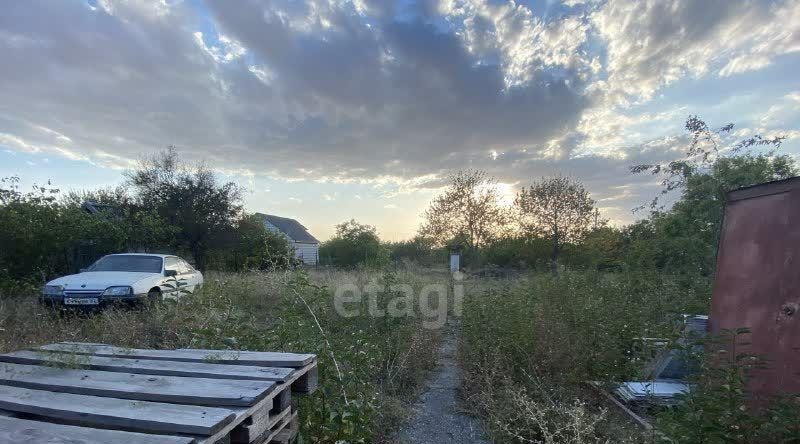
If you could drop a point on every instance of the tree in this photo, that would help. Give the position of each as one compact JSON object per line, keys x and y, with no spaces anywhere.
{"x":468,"y":210}
{"x":250,"y":246}
{"x":709,"y":149}
{"x":354,"y":244}
{"x":558,"y":209}
{"x":419,"y":250}
{"x":684,"y":238}
{"x":191,"y":200}
{"x":43,"y":237}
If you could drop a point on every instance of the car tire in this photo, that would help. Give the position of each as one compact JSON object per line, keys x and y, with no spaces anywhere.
{"x":155,"y":297}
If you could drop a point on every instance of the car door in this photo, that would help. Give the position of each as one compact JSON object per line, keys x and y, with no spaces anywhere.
{"x":173,"y":263}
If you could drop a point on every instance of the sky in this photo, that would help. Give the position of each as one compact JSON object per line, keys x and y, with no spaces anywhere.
{"x":326,"y":110}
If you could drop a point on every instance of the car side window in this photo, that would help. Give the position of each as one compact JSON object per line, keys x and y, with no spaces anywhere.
{"x":171,"y":263}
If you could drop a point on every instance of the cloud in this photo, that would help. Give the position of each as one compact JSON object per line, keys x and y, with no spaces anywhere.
{"x":373,"y":92}
{"x":653,"y":43}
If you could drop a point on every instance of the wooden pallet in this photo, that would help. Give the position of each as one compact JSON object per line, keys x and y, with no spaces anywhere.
{"x":81,"y":393}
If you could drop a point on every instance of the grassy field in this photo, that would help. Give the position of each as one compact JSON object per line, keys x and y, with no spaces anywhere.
{"x":528,"y":343}
{"x":381,"y":361}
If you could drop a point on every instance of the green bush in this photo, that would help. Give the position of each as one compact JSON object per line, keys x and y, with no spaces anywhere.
{"x":545,"y":336}
{"x":354,"y":245}
{"x":720,"y":408}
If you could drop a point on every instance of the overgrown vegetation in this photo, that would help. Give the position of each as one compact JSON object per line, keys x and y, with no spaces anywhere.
{"x":542,"y":337}
{"x":382,"y":360}
{"x":354,"y":244}
{"x":530,"y":339}
{"x":164,"y":206}
{"x":721,"y":410}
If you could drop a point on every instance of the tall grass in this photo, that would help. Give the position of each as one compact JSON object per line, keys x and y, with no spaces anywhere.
{"x":382,"y":362}
{"x":529,"y":345}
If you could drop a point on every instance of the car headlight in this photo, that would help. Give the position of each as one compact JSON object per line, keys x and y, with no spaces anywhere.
{"x":52,"y":290}
{"x":118,"y":291}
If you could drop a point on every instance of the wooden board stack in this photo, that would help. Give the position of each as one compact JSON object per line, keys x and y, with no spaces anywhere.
{"x":82,"y":393}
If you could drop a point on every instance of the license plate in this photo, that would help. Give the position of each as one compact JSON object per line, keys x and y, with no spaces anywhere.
{"x":81,"y":301}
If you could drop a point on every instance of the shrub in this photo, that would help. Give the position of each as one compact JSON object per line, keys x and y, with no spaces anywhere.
{"x":545,"y":336}
{"x":354,"y":245}
{"x":720,"y":408}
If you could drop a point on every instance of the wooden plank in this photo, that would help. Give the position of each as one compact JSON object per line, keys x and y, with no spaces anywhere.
{"x":308,"y":381}
{"x":22,"y":431}
{"x":234,"y":357}
{"x":142,"y":416}
{"x":641,"y":422}
{"x":252,"y":431}
{"x":280,"y":359}
{"x":282,"y":400}
{"x":242,"y":415}
{"x":173,"y":389}
{"x":269,"y":435}
{"x":150,"y":367}
{"x":288,"y":433}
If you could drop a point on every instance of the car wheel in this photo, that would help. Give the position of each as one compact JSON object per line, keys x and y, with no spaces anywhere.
{"x":155,"y":297}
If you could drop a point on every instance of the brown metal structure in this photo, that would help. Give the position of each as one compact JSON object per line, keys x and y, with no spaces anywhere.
{"x":757,"y":283}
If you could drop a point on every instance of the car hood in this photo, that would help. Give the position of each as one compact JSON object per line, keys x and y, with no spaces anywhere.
{"x":100,"y":280}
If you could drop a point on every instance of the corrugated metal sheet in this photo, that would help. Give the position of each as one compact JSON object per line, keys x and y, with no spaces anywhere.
{"x":757,"y":281}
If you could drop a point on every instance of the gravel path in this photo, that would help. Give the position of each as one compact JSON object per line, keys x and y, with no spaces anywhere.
{"x":435,"y":417}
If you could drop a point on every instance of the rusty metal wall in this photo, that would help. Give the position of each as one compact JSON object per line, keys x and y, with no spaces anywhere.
{"x":757,"y":283}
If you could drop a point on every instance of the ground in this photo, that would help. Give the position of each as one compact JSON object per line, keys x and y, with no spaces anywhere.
{"x":436,"y":417}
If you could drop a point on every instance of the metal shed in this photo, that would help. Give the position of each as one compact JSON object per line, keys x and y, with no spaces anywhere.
{"x":757,"y":283}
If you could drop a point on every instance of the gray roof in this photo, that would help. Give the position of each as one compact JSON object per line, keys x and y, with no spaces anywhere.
{"x":290,"y":227}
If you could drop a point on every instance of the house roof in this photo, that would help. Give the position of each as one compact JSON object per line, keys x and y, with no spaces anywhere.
{"x":290,"y":227}
{"x":95,"y":208}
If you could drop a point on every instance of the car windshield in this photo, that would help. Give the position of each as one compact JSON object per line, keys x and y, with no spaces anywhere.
{"x":142,"y":264}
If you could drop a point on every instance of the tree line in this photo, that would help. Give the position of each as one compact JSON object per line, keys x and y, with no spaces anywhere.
{"x":554,"y":222}
{"x":167,"y":206}
{"x":163,"y":206}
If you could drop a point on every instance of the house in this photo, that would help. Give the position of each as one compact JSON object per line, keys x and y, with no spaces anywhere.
{"x":306,"y":246}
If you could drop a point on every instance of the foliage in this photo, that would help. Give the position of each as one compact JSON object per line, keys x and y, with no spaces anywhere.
{"x":165,"y":208}
{"x":42,"y":237}
{"x":192,"y":201}
{"x":250,"y":246}
{"x":542,"y":337}
{"x":558,"y":209}
{"x":706,"y":149}
{"x":418,"y":250}
{"x":383,"y":361}
{"x":354,"y":244}
{"x":518,"y":252}
{"x":468,"y":211}
{"x":720,"y":408}
{"x":684,"y":239}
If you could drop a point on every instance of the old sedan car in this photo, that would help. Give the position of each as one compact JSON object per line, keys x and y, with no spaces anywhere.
{"x":127,"y":278}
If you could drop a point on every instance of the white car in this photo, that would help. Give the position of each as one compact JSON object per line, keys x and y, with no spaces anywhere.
{"x":132,"y":277}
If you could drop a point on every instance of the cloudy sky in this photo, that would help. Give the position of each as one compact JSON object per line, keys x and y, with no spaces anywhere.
{"x":331,"y":109}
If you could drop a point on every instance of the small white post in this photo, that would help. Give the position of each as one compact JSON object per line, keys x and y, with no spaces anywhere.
{"x":455,"y":261}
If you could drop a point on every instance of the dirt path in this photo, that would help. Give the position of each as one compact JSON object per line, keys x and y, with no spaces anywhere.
{"x":435,"y":417}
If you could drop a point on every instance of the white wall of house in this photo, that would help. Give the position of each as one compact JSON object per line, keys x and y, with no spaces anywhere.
{"x":308,"y":253}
